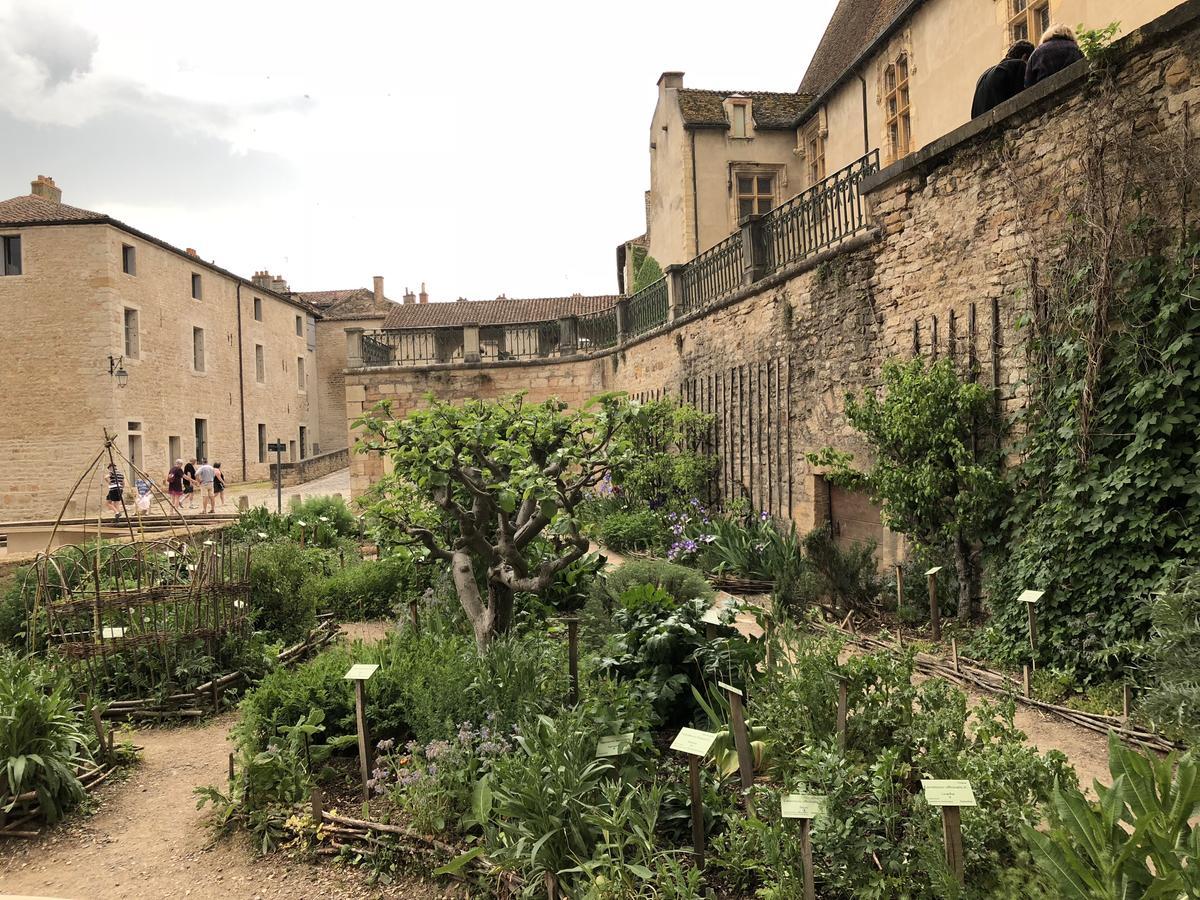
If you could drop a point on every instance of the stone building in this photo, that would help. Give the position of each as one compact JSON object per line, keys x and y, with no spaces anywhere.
{"x":894,"y":75}
{"x":111,"y":328}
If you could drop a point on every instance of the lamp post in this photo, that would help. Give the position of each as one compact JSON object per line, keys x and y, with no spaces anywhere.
{"x":116,"y":369}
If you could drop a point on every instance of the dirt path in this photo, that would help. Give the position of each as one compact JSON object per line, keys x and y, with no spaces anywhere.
{"x":147,"y":840}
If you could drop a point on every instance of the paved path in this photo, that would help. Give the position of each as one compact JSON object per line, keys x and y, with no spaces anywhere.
{"x":262,"y":493}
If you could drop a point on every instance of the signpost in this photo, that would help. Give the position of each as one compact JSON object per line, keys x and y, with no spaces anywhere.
{"x":1030,"y":598}
{"x":696,"y":745}
{"x":277,"y":448}
{"x":950,"y":795}
{"x":804,"y":807}
{"x":741,"y":740}
{"x":359,"y":673}
{"x":935,"y":615}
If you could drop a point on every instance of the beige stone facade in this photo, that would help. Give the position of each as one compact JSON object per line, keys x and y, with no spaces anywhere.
{"x":212,"y":360}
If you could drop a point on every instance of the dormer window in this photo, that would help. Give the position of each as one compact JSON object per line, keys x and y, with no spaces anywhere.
{"x":740,"y":113}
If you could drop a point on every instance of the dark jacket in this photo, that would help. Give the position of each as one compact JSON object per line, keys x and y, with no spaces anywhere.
{"x":1051,"y":56}
{"x":1004,"y":80}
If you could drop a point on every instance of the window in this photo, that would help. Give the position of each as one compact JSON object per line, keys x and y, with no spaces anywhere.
{"x":262,"y":442}
{"x":299,"y":326}
{"x":814,"y":151}
{"x":198,"y":349}
{"x":303,"y":442}
{"x":260,"y":364}
{"x":300,"y":372}
{"x":896,"y":107}
{"x":739,"y":120}
{"x":128,"y":259}
{"x":195,"y":286}
{"x":1027,"y":21}
{"x":291,"y":451}
{"x":133,"y":426}
{"x":201,"y":439}
{"x":131,"y":334}
{"x":135,"y":455}
{"x":755,"y":194}
{"x":12,"y":254}
{"x":174,"y":449}
{"x":258,"y":309}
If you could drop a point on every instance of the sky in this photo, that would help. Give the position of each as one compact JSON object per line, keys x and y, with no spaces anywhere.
{"x":484,"y":149}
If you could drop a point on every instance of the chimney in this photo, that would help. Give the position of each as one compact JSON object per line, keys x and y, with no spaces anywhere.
{"x":409,"y":296}
{"x":279,"y":285}
{"x":262,"y":280}
{"x":191,"y":251}
{"x":424,"y":296}
{"x":378,"y":280}
{"x":461,"y":300}
{"x":668,"y":80}
{"x":43,"y":186}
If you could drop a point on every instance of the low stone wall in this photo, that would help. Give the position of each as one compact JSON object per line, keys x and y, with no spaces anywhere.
{"x":311,"y":468}
{"x":960,"y":229}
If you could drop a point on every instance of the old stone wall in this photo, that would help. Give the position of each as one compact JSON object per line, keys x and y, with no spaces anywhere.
{"x":311,"y":468}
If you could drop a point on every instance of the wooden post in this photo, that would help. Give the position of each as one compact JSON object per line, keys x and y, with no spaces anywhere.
{"x":697,"y":810}
{"x":810,"y":888}
{"x":1025,"y":686}
{"x":841,"y":714}
{"x":318,"y":809}
{"x":899,"y":587}
{"x":573,"y":657}
{"x":741,"y":740}
{"x":99,"y":726}
{"x":769,"y":637}
{"x":952,"y":829}
{"x":954,"y":653}
{"x":1126,"y":699}
{"x":231,"y":769}
{"x":364,"y":751}
{"x":935,"y":616}
{"x":1033,"y":635}
{"x":414,"y":615}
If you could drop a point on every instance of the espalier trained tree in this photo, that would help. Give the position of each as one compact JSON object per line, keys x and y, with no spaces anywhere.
{"x":492,"y":488}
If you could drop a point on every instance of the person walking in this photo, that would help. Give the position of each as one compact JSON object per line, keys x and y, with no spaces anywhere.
{"x":1002,"y":81}
{"x":219,"y":484}
{"x":115,"y":483}
{"x":175,"y":479}
{"x":205,"y":476}
{"x":1057,"y":50}
{"x":190,"y":483}
{"x":142,"y":503}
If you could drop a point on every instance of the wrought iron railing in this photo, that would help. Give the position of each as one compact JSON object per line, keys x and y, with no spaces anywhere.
{"x":831,"y":210}
{"x":411,"y":347}
{"x":647,"y":308}
{"x":596,"y":331}
{"x":714,"y":273}
{"x":530,"y":340}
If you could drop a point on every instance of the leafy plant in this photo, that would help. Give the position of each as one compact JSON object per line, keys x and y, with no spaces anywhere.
{"x":278,"y":572}
{"x":1173,"y":659}
{"x":368,"y":590}
{"x":647,"y":273}
{"x":679,"y":582}
{"x":670,"y":466}
{"x":636,"y":529}
{"x":1095,"y":41}
{"x":848,"y":577}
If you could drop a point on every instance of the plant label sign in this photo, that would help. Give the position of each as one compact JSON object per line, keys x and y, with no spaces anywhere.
{"x":801,"y":806}
{"x":693,"y":741}
{"x":112,"y":631}
{"x":614,"y":744}
{"x":948,"y":792}
{"x":730,"y":688}
{"x":360,"y":672}
{"x":714,"y":614}
{"x":1030,"y":596}
{"x":934,"y":570}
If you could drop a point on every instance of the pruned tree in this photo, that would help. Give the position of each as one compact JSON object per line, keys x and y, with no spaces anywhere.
{"x":931,"y":480}
{"x":492,"y":489}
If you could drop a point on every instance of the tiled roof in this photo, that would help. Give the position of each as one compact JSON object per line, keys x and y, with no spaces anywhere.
{"x":851,"y":29}
{"x":31,"y":209}
{"x":322,"y":299}
{"x":501,"y":311}
{"x":351,"y":303}
{"x":771,"y":110}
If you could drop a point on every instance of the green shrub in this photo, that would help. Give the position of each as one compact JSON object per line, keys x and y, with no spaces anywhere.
{"x":16,"y":604}
{"x":847,"y":578}
{"x":1173,"y":700}
{"x":680,"y":582}
{"x":647,"y":273}
{"x":637,"y":529}
{"x":370,"y":589}
{"x":42,"y":737}
{"x":333,"y":509}
{"x":278,"y":573}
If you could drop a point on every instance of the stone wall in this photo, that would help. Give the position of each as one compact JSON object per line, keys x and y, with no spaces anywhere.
{"x":947,"y":270}
{"x":313,"y":467}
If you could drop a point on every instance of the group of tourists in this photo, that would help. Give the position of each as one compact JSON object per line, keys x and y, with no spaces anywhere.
{"x":1024,"y":66}
{"x":184,"y":482}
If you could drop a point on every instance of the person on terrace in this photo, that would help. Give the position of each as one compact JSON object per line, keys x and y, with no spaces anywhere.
{"x":1002,"y":81}
{"x":1057,"y":50}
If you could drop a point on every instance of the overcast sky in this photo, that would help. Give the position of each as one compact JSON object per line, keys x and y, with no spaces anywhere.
{"x":483,"y":148}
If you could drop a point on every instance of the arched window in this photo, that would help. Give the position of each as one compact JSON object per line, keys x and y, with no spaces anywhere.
{"x":897,"y":112}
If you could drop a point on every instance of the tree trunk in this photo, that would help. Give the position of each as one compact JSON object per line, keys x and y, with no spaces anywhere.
{"x":462,"y":570}
{"x":962,"y":567}
{"x":500,"y":600}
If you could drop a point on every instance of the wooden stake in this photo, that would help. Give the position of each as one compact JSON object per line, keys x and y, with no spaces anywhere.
{"x":952,"y":829}
{"x":954,"y":653}
{"x":1126,"y":699}
{"x":231,"y":771}
{"x":697,"y":809}
{"x":841,"y":715}
{"x":741,"y":740}
{"x":899,"y":587}
{"x":364,"y":751}
{"x":1033,"y":635}
{"x":935,"y":616}
{"x":810,"y":888}
{"x":318,"y":809}
{"x":573,"y":657}
{"x":1025,"y":680}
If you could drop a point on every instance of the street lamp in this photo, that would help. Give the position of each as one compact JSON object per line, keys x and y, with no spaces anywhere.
{"x":116,"y":369}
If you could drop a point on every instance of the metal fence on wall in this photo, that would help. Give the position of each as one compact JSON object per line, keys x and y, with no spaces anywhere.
{"x":751,"y":435}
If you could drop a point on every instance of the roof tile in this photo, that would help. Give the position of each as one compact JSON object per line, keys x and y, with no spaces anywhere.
{"x":851,"y":29}
{"x":29,"y":208}
{"x":771,"y":110}
{"x":501,"y":311}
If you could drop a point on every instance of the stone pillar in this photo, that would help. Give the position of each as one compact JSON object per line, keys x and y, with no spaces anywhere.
{"x":354,"y":342}
{"x":622,"y":320}
{"x":568,"y":340}
{"x":674,"y":275}
{"x":471,"y":344}
{"x":755,"y":263}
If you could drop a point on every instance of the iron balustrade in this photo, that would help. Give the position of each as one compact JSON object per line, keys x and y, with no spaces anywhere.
{"x":596,"y":331}
{"x":711,"y":275}
{"x":647,"y":308}
{"x":831,"y":210}
{"x":411,"y":346}
{"x":528,"y":340}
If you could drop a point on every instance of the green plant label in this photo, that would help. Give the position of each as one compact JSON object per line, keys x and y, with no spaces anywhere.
{"x":614,"y":744}
{"x":934,"y":570}
{"x":360,"y":672}
{"x":801,"y":806}
{"x":729,"y":687}
{"x":693,"y":741}
{"x":1030,"y":596}
{"x":948,"y":792}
